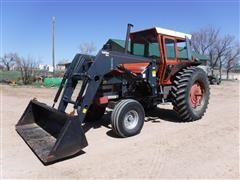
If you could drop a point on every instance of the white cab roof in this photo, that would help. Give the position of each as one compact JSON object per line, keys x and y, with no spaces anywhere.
{"x":172,"y":33}
{"x":169,"y":32}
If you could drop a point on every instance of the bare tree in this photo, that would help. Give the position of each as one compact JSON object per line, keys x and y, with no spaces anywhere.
{"x":207,"y":41}
{"x":27,"y":67}
{"x":87,"y":48}
{"x":204,"y":39}
{"x":8,"y":60}
{"x":219,"y":51}
{"x":232,"y":58}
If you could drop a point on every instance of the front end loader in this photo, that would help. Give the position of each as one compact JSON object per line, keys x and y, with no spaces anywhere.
{"x":130,"y":82}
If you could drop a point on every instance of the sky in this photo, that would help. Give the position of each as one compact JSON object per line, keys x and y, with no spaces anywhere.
{"x":26,"y":25}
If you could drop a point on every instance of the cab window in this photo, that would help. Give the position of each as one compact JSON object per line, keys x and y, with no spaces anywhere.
{"x":146,"y":49}
{"x":153,"y":50}
{"x":170,"y":48}
{"x":182,"y":50}
{"x":138,"y":49}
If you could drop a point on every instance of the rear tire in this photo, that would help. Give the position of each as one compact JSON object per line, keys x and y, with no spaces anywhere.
{"x":190,"y":94}
{"x":127,"y":118}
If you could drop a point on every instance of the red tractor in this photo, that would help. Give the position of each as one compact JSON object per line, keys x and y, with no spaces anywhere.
{"x":156,"y":66}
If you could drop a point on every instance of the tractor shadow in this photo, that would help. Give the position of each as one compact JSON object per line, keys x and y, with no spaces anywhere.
{"x":155,"y":116}
{"x":103,"y":122}
{"x":158,"y":114}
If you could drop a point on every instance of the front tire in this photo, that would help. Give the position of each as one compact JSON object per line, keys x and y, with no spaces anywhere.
{"x":127,"y":118}
{"x":190,"y":94}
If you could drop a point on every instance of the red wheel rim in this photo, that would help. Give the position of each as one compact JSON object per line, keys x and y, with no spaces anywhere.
{"x":196,"y":95}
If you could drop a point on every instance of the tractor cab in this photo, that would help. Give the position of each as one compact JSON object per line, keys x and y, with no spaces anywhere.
{"x":158,"y":42}
{"x":168,"y":47}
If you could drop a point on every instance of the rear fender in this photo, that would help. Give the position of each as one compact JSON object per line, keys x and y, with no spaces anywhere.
{"x":182,"y":65}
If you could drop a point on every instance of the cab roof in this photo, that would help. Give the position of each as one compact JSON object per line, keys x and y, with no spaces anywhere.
{"x":164,"y":31}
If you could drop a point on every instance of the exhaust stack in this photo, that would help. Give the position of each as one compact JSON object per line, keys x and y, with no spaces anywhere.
{"x":129,"y":26}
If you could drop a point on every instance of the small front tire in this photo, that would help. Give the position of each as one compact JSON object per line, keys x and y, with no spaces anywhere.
{"x":127,"y":118}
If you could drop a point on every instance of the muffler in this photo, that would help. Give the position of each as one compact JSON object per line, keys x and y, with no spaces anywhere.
{"x":52,"y":135}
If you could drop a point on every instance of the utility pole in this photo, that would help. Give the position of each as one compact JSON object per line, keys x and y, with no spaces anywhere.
{"x":53,"y":52}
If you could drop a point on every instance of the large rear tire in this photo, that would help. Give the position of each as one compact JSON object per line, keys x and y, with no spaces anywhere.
{"x":190,"y":94}
{"x":127,"y":118}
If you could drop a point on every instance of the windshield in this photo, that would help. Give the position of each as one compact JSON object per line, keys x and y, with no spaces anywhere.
{"x":146,"y":49}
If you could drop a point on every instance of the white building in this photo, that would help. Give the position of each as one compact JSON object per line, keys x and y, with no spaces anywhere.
{"x":46,"y":67}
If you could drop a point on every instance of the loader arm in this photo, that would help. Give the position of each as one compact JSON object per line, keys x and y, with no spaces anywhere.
{"x":51,"y":133}
{"x":78,"y":64}
{"x":104,"y":63}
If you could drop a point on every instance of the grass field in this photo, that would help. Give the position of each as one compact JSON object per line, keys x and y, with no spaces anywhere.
{"x":10,"y":75}
{"x":15,"y":76}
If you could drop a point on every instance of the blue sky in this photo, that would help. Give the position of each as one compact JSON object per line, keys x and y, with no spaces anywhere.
{"x":26,"y":25}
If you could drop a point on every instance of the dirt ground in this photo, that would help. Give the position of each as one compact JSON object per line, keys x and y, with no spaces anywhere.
{"x":208,"y":148}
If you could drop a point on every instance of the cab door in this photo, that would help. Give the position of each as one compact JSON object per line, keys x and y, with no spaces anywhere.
{"x":170,"y":58}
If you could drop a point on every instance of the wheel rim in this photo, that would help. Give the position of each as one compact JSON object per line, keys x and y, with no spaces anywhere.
{"x":131,"y":119}
{"x":196,"y":95}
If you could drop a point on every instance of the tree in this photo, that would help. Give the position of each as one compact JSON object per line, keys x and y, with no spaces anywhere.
{"x":204,"y":39}
{"x":87,"y":48}
{"x":27,"y":67}
{"x":232,"y":58}
{"x":219,"y":51}
{"x":207,"y":41}
{"x":8,"y":60}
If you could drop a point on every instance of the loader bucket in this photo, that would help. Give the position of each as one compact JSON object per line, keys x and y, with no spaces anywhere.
{"x":52,"y":135}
